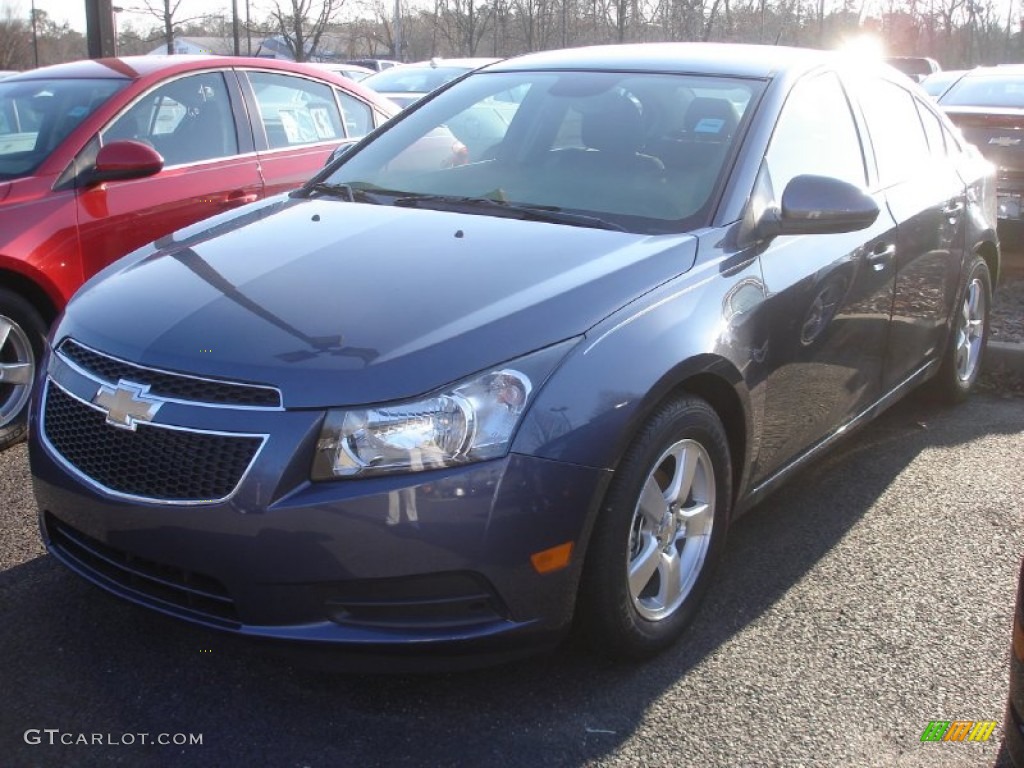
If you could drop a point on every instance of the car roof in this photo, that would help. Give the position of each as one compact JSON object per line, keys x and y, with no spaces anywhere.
{"x":737,"y":60}
{"x":468,"y":63}
{"x":135,"y":67}
{"x":1000,"y":70}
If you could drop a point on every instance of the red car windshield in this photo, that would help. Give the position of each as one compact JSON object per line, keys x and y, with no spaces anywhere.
{"x":37,"y":115}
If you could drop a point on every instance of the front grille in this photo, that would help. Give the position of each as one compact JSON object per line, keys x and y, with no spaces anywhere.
{"x":172,"y":385}
{"x":152,"y":582}
{"x":150,"y":463}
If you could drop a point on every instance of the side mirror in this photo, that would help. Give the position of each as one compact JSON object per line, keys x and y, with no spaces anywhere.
{"x":126,"y":159}
{"x":818,"y":205}
{"x":340,"y":151}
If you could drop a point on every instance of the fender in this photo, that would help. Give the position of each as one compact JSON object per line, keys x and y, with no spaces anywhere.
{"x":29,"y":274}
{"x":686,"y":335}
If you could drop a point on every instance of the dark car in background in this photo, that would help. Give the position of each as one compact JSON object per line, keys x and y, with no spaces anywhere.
{"x":376,"y":65}
{"x":100,"y":157}
{"x":444,"y":413}
{"x":350,"y":71}
{"x":987,"y":104}
{"x":917,"y":68}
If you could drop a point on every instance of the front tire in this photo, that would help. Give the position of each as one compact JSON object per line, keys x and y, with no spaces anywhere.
{"x":961,"y":364}
{"x":659,"y":534}
{"x":22,"y":331}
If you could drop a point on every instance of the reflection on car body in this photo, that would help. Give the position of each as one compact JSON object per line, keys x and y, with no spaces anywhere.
{"x":494,"y":398}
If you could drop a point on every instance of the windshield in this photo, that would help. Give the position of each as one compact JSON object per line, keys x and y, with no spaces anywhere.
{"x":37,"y":115}
{"x":640,"y":152}
{"x":986,"y":91}
{"x":412,"y":78}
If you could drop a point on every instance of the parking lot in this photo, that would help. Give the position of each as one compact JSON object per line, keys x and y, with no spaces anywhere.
{"x":869,"y":596}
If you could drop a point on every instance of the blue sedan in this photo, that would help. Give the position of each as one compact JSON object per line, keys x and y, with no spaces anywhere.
{"x":451,"y":410}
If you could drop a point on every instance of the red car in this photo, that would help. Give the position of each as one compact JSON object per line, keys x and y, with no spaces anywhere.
{"x":100,"y":157}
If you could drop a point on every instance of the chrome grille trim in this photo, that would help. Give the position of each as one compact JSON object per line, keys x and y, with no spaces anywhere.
{"x":146,"y":374}
{"x":90,"y":481}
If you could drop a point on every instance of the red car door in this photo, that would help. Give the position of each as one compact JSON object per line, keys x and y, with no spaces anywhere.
{"x":300,"y":121}
{"x":208,"y":167}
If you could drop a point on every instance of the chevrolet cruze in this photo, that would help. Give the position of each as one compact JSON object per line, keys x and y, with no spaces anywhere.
{"x":451,"y":412}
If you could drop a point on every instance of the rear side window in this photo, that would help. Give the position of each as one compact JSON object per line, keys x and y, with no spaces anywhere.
{"x":897,"y":134}
{"x":296,"y":111}
{"x":933,"y":130}
{"x":358,"y":115}
{"x":815,"y":135}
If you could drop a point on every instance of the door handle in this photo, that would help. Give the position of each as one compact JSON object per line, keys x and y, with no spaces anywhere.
{"x":240,"y":198}
{"x":953,"y":208}
{"x":881,"y":256}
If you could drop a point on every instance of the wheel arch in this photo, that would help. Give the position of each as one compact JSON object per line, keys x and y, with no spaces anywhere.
{"x":989,"y":251}
{"x":43,"y":298}
{"x":719,"y":383}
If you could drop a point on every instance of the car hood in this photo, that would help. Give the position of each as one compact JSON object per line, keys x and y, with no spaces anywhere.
{"x":343,"y":303}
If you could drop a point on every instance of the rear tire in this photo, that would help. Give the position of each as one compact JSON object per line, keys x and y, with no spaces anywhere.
{"x":965,"y":349}
{"x":659,"y":534}
{"x":22,"y":332}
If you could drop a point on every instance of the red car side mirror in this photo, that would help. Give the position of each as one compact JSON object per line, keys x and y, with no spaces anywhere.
{"x":125,"y":160}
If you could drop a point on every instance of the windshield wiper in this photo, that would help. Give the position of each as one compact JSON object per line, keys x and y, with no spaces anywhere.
{"x":343,"y":191}
{"x":523,"y":211}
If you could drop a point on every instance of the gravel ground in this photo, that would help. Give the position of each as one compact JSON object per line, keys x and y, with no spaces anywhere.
{"x":1008,"y":310}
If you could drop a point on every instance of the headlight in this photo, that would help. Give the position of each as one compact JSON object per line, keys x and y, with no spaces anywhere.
{"x":470,"y":421}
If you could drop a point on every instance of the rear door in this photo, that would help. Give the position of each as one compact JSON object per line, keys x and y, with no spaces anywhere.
{"x":927,"y":197}
{"x":298,"y":122}
{"x":209,"y":167}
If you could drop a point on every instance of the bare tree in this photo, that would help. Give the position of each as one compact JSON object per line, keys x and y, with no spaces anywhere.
{"x":301,"y":26}
{"x":164,"y":11}
{"x":15,"y":41}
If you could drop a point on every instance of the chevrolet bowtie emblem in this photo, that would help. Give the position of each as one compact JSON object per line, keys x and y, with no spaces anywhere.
{"x":1004,"y":141}
{"x":127,"y":404}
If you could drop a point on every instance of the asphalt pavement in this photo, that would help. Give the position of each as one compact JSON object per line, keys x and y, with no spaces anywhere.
{"x":869,"y":596}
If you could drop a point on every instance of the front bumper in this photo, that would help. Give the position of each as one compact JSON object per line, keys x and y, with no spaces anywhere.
{"x":434,"y":561}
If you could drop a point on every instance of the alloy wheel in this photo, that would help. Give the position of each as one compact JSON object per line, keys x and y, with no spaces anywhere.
{"x":17,"y":370}
{"x":970,"y":330}
{"x":671,"y":530}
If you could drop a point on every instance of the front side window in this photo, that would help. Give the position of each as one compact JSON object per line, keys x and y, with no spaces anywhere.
{"x":37,"y":115}
{"x":296,"y":111}
{"x":815,"y":135}
{"x":641,"y":152}
{"x":186,"y":120}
